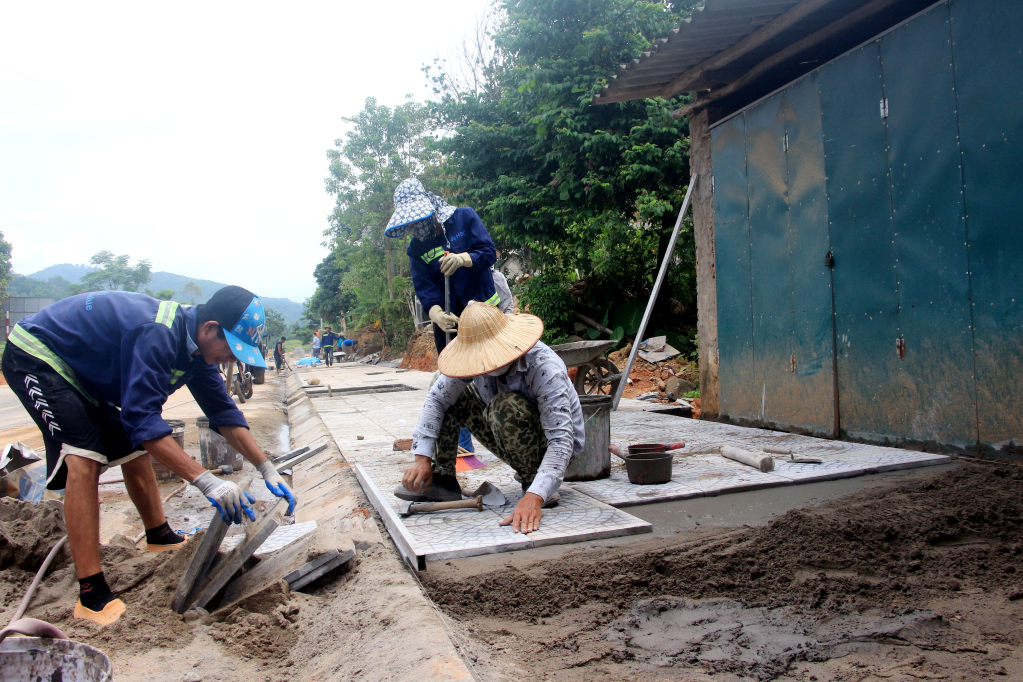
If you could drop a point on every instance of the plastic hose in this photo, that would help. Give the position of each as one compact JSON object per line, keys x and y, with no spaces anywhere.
{"x":23,"y":606}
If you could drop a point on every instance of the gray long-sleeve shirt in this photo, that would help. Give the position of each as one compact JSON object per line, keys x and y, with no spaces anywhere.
{"x":542,"y":378}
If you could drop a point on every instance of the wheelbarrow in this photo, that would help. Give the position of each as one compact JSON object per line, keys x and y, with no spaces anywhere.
{"x":596,"y":374}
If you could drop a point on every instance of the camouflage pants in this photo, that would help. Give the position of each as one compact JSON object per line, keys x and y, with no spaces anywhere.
{"x":509,"y":427}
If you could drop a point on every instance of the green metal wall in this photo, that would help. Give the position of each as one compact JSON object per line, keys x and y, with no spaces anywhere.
{"x":902,"y":158}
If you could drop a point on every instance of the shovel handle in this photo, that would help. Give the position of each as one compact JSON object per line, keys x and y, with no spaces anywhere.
{"x":777,"y":450}
{"x":617,"y":452}
{"x":675,"y":446}
{"x":420,"y":507}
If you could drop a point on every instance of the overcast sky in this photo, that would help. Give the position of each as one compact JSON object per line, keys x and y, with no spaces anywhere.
{"x":219,"y":174}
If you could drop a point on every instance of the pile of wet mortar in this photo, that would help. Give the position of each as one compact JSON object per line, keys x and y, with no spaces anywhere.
{"x":807,"y":586}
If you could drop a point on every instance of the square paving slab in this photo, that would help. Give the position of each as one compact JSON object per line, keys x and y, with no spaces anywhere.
{"x":588,"y":509}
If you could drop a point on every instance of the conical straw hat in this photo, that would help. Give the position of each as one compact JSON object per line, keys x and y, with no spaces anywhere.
{"x":488,"y":340}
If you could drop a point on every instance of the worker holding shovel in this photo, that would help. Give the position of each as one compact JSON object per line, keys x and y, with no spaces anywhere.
{"x":446,"y":242}
{"x":451,"y":256}
{"x":513,"y":393}
{"x":94,"y":371}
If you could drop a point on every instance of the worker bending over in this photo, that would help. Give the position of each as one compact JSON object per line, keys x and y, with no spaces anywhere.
{"x":514,"y":395}
{"x":94,"y":371}
{"x":446,"y":242}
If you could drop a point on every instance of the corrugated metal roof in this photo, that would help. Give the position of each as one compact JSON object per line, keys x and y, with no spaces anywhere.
{"x":754,"y":29}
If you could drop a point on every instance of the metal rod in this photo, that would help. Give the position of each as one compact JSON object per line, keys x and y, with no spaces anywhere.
{"x":653,"y":295}
{"x":447,"y":304}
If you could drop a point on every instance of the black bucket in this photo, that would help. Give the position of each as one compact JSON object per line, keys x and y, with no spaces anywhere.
{"x":649,"y":469}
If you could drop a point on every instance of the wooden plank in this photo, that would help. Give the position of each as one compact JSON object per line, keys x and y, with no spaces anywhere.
{"x":268,"y":572}
{"x":751,"y":42}
{"x":403,"y":540}
{"x":791,"y":51}
{"x":324,"y":565}
{"x":201,"y":562}
{"x":300,"y":457}
{"x":254,"y":537}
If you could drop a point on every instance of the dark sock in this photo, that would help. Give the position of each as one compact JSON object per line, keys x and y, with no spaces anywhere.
{"x":163,"y":535}
{"x":94,"y":592}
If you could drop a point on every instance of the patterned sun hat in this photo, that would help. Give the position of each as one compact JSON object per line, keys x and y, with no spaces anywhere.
{"x":413,"y":203}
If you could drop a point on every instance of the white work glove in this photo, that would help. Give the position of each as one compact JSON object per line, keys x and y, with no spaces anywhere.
{"x":226,"y":497}
{"x":446,"y":322}
{"x":276,"y":484}
{"x":450,"y":262}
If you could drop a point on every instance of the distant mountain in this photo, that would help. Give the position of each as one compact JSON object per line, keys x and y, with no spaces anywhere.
{"x":69,"y":271}
{"x":291,"y":310}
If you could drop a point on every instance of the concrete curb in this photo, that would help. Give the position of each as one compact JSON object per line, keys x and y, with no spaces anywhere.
{"x":328,"y":491}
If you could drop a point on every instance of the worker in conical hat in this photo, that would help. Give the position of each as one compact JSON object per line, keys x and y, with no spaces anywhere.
{"x":513,"y":393}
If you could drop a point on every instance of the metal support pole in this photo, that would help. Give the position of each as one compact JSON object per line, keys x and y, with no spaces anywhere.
{"x":657,"y":289}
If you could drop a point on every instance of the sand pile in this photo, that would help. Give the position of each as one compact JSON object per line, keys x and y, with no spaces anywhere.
{"x":28,"y":531}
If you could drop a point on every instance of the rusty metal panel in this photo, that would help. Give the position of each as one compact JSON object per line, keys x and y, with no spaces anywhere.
{"x":936,"y":400}
{"x":812,"y":362}
{"x":732,"y":266}
{"x":771,"y":268}
{"x":860,"y":225}
{"x":987,"y":46}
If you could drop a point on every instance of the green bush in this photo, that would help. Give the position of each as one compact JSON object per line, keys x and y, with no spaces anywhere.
{"x":397,"y":324}
{"x":547,"y":297}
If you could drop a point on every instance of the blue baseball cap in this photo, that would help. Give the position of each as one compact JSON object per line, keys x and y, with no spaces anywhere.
{"x":242,"y":318}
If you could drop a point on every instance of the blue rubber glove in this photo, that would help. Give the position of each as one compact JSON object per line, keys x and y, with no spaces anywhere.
{"x":277,"y":485}
{"x":226,"y":497}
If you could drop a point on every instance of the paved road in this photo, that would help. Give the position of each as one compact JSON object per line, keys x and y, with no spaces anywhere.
{"x":12,"y":414}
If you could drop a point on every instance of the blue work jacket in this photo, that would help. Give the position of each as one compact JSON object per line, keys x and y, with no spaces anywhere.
{"x":131,"y":351}
{"x":463,"y":233}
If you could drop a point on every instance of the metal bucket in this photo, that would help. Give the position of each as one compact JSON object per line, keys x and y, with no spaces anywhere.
{"x":28,"y":659}
{"x":214,"y":450}
{"x":178,"y":434}
{"x":595,"y":460}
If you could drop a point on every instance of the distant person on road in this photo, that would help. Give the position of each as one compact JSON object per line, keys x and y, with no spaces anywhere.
{"x":446,"y":242}
{"x":279,"y":353}
{"x":347,"y":347}
{"x":94,"y":371}
{"x":316,"y":344}
{"x":328,"y":342}
{"x":513,"y":393}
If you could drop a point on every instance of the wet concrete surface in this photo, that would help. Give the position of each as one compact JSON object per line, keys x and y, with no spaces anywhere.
{"x":735,"y":510}
{"x":758,"y":507}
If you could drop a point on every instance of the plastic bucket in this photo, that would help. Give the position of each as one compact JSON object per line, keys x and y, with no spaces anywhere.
{"x":28,"y":659}
{"x":595,"y":460}
{"x":214,"y":450}
{"x":649,"y":469}
{"x":178,"y":434}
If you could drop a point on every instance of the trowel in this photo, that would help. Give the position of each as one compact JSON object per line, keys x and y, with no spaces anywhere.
{"x":491,"y":494}
{"x":795,"y":458}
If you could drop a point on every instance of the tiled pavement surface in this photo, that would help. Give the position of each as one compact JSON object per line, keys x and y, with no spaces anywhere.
{"x":588,"y":509}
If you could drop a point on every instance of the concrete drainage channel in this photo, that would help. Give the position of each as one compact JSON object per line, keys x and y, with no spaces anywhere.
{"x":382,"y":626}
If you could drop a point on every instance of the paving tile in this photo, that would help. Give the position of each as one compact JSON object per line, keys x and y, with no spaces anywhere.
{"x":588,"y":509}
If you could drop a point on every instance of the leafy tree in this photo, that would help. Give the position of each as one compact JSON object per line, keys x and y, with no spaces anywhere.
{"x":162,"y":294}
{"x":274,"y":324}
{"x":330,"y":301}
{"x":56,"y":288}
{"x":590,"y":188}
{"x":384,"y":147}
{"x":5,"y":266}
{"x":192,"y":290}
{"x":114,"y":272}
